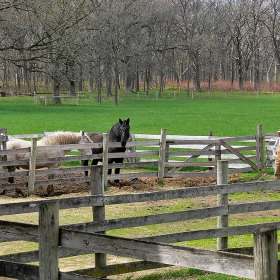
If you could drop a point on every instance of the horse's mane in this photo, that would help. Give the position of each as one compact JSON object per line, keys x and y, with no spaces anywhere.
{"x":60,"y":138}
{"x":114,"y":133}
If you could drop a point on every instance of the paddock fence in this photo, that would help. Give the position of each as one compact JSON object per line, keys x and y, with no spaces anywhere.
{"x":58,"y":241}
{"x":62,"y":99}
{"x":161,"y":156}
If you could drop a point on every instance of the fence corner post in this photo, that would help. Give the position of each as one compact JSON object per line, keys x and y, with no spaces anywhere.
{"x":266,"y":253}
{"x":222,"y":200}
{"x":48,"y":240}
{"x":161,"y":158}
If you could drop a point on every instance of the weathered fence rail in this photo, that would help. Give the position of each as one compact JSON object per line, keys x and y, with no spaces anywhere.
{"x":79,"y":239}
{"x":170,"y":155}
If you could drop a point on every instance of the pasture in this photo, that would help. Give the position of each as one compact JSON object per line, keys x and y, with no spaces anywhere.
{"x":231,"y":116}
{"x":234,"y":115}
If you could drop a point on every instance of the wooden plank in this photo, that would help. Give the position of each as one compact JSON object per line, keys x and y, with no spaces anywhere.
{"x":208,"y":233}
{"x":133,"y":175}
{"x":98,"y":212}
{"x":193,"y":192}
{"x":191,"y":175}
{"x":219,"y":262}
{"x":239,"y":155}
{"x":162,"y":156}
{"x":265,"y":253}
{"x":74,"y":276}
{"x":19,"y":270}
{"x":191,"y":142}
{"x":48,"y":231}
{"x":150,"y":219}
{"x":119,"y":268}
{"x":18,"y":231}
{"x":22,"y":136}
{"x":33,"y":256}
{"x":176,"y":216}
{"x":188,"y":164}
{"x":16,"y":208}
{"x":250,"y":138}
{"x":64,"y":203}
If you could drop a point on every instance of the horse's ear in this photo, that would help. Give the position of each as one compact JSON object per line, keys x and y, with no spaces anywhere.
{"x":120,"y":121}
{"x":127,"y":121}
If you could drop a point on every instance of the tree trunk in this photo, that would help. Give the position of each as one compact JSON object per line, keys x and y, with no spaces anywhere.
{"x":108,"y":77}
{"x":90,"y":78}
{"x":129,"y":81}
{"x":99,"y":82}
{"x":161,"y":84}
{"x":116,"y":81}
{"x":72,"y":88}
{"x":56,"y":98}
{"x":147,"y":81}
{"x":137,"y":86}
{"x":196,"y":71}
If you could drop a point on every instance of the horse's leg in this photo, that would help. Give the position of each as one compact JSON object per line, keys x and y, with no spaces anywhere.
{"x":11,"y":169}
{"x":85,"y":163}
{"x":110,"y":161}
{"x":117,"y":171}
{"x":94,"y":162}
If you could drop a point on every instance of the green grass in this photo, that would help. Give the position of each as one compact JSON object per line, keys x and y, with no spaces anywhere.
{"x":184,"y":274}
{"x":223,"y":116}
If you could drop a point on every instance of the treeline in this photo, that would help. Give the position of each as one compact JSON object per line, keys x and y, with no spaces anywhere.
{"x":108,"y":42}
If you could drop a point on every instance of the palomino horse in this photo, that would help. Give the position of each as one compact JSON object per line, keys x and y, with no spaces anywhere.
{"x":56,"y":138}
{"x":119,"y":132}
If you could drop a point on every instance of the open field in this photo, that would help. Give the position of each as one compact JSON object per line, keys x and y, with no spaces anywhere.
{"x":235,"y":115}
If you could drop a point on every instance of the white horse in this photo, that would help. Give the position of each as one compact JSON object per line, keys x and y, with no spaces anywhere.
{"x":57,"y":138}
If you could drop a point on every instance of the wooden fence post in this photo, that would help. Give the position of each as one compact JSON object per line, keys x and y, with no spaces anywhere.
{"x":48,"y":240}
{"x":105,"y":159}
{"x":161,"y":158}
{"x":32,"y":166}
{"x":218,"y":152}
{"x":260,"y":148}
{"x":222,"y":200}
{"x":133,"y":149}
{"x":209,"y":157}
{"x":265,"y":253}
{"x":97,"y":188}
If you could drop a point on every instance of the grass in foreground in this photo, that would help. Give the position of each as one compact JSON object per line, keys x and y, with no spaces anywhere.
{"x":184,"y":274}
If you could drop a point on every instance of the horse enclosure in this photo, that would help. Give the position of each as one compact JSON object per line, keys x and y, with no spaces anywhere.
{"x":161,"y":156}
{"x":57,"y":241}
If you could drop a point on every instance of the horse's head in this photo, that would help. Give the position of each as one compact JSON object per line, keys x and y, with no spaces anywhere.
{"x":85,"y":140}
{"x":125,"y":131}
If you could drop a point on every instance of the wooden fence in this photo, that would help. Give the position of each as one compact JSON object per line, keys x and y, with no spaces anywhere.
{"x":56,"y":241}
{"x":167,"y":155}
{"x":66,"y":99}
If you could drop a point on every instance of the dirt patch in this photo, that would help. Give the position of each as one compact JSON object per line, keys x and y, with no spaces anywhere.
{"x":127,"y":186}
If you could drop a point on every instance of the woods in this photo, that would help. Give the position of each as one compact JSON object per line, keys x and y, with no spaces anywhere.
{"x":93,"y":45}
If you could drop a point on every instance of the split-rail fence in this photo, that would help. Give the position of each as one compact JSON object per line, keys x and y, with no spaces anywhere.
{"x":161,"y":156}
{"x":58,"y":241}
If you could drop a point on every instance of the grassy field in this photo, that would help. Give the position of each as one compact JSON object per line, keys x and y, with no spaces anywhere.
{"x":234,"y":115}
{"x":231,"y":114}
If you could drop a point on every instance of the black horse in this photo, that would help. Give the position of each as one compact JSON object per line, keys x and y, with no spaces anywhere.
{"x":120,"y":132}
